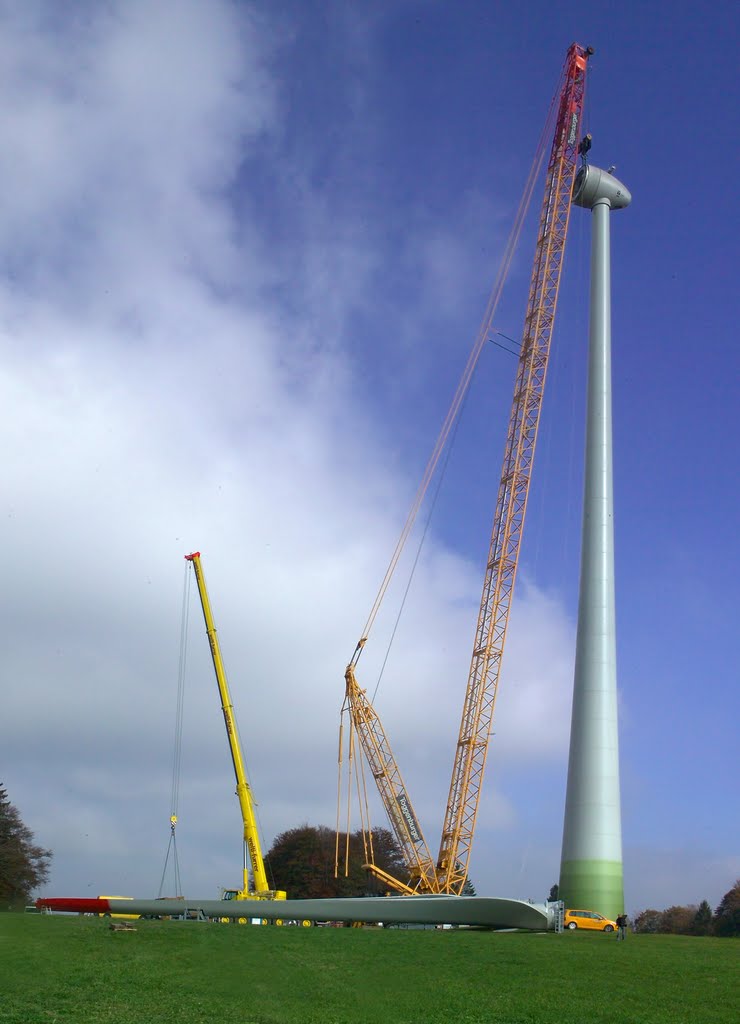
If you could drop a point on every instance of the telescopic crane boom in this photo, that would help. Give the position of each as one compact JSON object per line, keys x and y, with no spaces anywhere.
{"x":252,"y":849}
{"x":449,"y":872}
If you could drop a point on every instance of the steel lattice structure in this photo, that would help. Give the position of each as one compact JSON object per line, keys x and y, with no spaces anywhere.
{"x":511,"y":504}
{"x":385,"y":771}
{"x":450,"y":872}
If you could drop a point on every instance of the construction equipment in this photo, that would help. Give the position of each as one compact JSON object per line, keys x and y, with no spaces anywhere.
{"x":448,"y":873}
{"x":252,"y":849}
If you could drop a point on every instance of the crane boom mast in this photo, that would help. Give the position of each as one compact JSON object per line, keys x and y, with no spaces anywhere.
{"x":243,"y":791}
{"x":385,"y":771}
{"x":485,"y":667}
{"x":449,"y":873}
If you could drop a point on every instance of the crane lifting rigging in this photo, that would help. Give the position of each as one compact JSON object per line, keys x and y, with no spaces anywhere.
{"x":252,"y":848}
{"x":448,"y":873}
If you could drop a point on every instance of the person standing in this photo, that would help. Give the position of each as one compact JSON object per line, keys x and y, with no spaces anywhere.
{"x":621,"y":928}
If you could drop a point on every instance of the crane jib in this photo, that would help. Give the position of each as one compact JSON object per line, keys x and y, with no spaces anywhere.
{"x":506,"y":534}
{"x":448,"y":873}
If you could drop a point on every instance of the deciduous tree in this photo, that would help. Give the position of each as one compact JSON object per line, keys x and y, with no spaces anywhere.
{"x":23,"y":865}
{"x":648,"y":921}
{"x":301,"y":861}
{"x":677,"y":920}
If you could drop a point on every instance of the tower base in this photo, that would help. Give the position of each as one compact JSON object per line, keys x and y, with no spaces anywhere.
{"x":592,"y":885}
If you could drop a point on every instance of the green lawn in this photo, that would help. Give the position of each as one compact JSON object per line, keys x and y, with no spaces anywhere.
{"x":57,"y":968}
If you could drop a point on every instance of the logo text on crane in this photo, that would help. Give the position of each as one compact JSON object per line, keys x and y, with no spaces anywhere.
{"x":410,"y":820}
{"x":573,"y":128}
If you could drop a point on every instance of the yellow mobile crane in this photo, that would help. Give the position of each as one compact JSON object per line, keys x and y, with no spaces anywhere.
{"x":448,"y":872}
{"x":252,"y":849}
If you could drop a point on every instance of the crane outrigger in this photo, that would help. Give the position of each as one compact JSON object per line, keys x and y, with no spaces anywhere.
{"x":252,"y":848}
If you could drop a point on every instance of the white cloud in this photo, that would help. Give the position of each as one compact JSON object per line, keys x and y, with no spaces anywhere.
{"x":155,"y":400}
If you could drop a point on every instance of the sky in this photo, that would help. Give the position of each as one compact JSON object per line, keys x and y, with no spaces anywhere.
{"x":245,"y":251}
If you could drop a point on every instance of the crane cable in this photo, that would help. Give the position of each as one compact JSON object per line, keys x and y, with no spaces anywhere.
{"x":484,"y":332}
{"x":423,"y":537}
{"x":177,"y":757}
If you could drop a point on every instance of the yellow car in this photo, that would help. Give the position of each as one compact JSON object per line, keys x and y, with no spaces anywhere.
{"x":588,"y":919}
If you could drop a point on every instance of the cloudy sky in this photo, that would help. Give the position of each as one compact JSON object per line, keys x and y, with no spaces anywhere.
{"x":245,"y":251}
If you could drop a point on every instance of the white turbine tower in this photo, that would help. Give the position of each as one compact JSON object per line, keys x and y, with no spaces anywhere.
{"x":591,"y":864}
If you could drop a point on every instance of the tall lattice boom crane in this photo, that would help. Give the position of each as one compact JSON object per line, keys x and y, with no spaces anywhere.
{"x":511,"y":503}
{"x":449,"y":873}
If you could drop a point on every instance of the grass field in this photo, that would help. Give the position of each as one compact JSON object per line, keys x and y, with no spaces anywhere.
{"x":58,"y":968}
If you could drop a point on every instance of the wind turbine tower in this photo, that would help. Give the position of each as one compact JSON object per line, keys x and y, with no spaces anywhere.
{"x":591,"y":864}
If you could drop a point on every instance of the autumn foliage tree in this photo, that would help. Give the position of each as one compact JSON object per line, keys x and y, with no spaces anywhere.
{"x":693,"y":920}
{"x":302,"y":860}
{"x":23,"y":865}
{"x":678,"y":920}
{"x":727,"y":915}
{"x":648,"y":921}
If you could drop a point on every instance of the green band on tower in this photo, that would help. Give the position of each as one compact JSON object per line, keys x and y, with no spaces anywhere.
{"x":592,"y":885}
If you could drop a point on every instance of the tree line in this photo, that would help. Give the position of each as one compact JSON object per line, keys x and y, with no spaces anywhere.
{"x":694,"y":920}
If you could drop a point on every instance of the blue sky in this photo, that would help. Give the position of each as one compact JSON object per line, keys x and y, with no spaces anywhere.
{"x":246,"y":251}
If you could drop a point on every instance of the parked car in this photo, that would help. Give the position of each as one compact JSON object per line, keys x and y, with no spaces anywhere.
{"x":588,"y":919}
